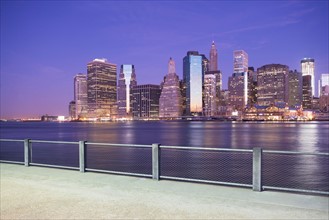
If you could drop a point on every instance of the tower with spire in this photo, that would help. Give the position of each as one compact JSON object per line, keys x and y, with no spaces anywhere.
{"x":170,"y":98}
{"x":213,"y":57}
{"x":212,"y":84}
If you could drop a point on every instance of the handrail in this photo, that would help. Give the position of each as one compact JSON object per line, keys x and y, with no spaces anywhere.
{"x":256,"y":158}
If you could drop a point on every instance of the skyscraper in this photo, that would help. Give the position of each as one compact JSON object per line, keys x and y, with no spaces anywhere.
{"x":308,"y":65}
{"x":237,"y":87}
{"x":194,"y":67}
{"x":213,"y":58}
{"x":295,"y":88}
{"x":102,"y":89}
{"x":145,"y":101}
{"x":252,"y":86}
{"x":324,"y":84}
{"x":171,"y":98}
{"x":307,"y":92}
{"x":127,"y":80}
{"x":240,"y":60}
{"x":238,"y":82}
{"x":80,"y":96}
{"x":212,"y":84}
{"x":210,"y":96}
{"x":272,"y":84}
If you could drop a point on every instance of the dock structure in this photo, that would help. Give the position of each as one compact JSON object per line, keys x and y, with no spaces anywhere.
{"x":47,"y":193}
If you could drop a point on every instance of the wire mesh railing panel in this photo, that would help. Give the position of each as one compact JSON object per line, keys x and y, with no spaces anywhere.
{"x":12,"y":151}
{"x":307,"y":172}
{"x":219,"y":166}
{"x":119,"y":159}
{"x":55,"y":154}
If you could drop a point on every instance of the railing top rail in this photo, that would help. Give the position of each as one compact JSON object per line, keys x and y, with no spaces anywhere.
{"x":54,"y":142}
{"x":295,"y":152}
{"x":118,"y":145}
{"x":205,"y":148}
{"x":11,"y":140}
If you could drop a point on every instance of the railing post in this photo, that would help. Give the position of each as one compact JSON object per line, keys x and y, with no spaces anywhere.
{"x":156,"y":161}
{"x":27,"y":152}
{"x":257,"y":169}
{"x":82,"y":159}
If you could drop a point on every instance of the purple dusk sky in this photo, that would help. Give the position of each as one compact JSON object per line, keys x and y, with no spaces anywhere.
{"x":44,"y":44}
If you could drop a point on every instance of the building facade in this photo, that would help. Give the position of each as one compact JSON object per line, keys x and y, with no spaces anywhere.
{"x":308,"y":66}
{"x":212,"y":84}
{"x":213,"y":58}
{"x":194,"y":67}
{"x":211,"y":98}
{"x":127,"y":80}
{"x":237,"y":87}
{"x":80,"y":96}
{"x":307,"y":92}
{"x":295,"y":88}
{"x":323,"y":82}
{"x":72,"y":110}
{"x":145,"y":101}
{"x":252,"y":86}
{"x":272,"y":83}
{"x":171,"y":103}
{"x":240,"y":61}
{"x":102,"y":89}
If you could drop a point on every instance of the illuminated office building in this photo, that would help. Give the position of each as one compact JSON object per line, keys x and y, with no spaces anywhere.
{"x":80,"y":96}
{"x":127,"y":80}
{"x":295,"y":88}
{"x":145,"y":101}
{"x":237,"y":87}
{"x":212,"y":84}
{"x":252,"y":86}
{"x":194,"y":67}
{"x":238,"y":82}
{"x":307,"y":92}
{"x":171,"y":97}
{"x":102,"y":89}
{"x":210,"y":96}
{"x":240,"y":61}
{"x":272,"y":83}
{"x":323,"y":82}
{"x":308,"y":65}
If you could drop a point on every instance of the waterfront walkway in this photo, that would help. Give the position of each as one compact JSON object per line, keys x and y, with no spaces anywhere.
{"x":48,"y":193}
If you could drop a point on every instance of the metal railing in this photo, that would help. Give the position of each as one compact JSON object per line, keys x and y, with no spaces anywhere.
{"x":196,"y":164}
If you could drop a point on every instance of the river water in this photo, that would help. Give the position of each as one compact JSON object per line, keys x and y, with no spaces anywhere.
{"x":289,"y":171}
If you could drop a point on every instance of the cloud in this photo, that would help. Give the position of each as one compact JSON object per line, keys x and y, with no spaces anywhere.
{"x":261,"y":26}
{"x":50,"y":70}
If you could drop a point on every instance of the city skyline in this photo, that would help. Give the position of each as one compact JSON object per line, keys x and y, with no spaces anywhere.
{"x":41,"y":54}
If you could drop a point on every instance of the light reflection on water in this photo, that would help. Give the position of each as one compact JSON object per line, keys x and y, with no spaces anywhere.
{"x":301,"y":136}
{"x":309,"y":172}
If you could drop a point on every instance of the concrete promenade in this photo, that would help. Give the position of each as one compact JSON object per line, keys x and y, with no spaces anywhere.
{"x":48,"y":193}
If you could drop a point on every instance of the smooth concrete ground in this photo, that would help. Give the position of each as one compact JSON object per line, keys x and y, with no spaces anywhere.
{"x":48,"y":193}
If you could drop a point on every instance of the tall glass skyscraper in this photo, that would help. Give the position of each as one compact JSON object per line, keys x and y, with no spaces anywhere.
{"x":240,"y":61}
{"x":80,"y":96}
{"x":102,"y":89}
{"x":171,"y":98}
{"x":127,"y":80}
{"x":194,"y":67}
{"x":308,"y":65}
